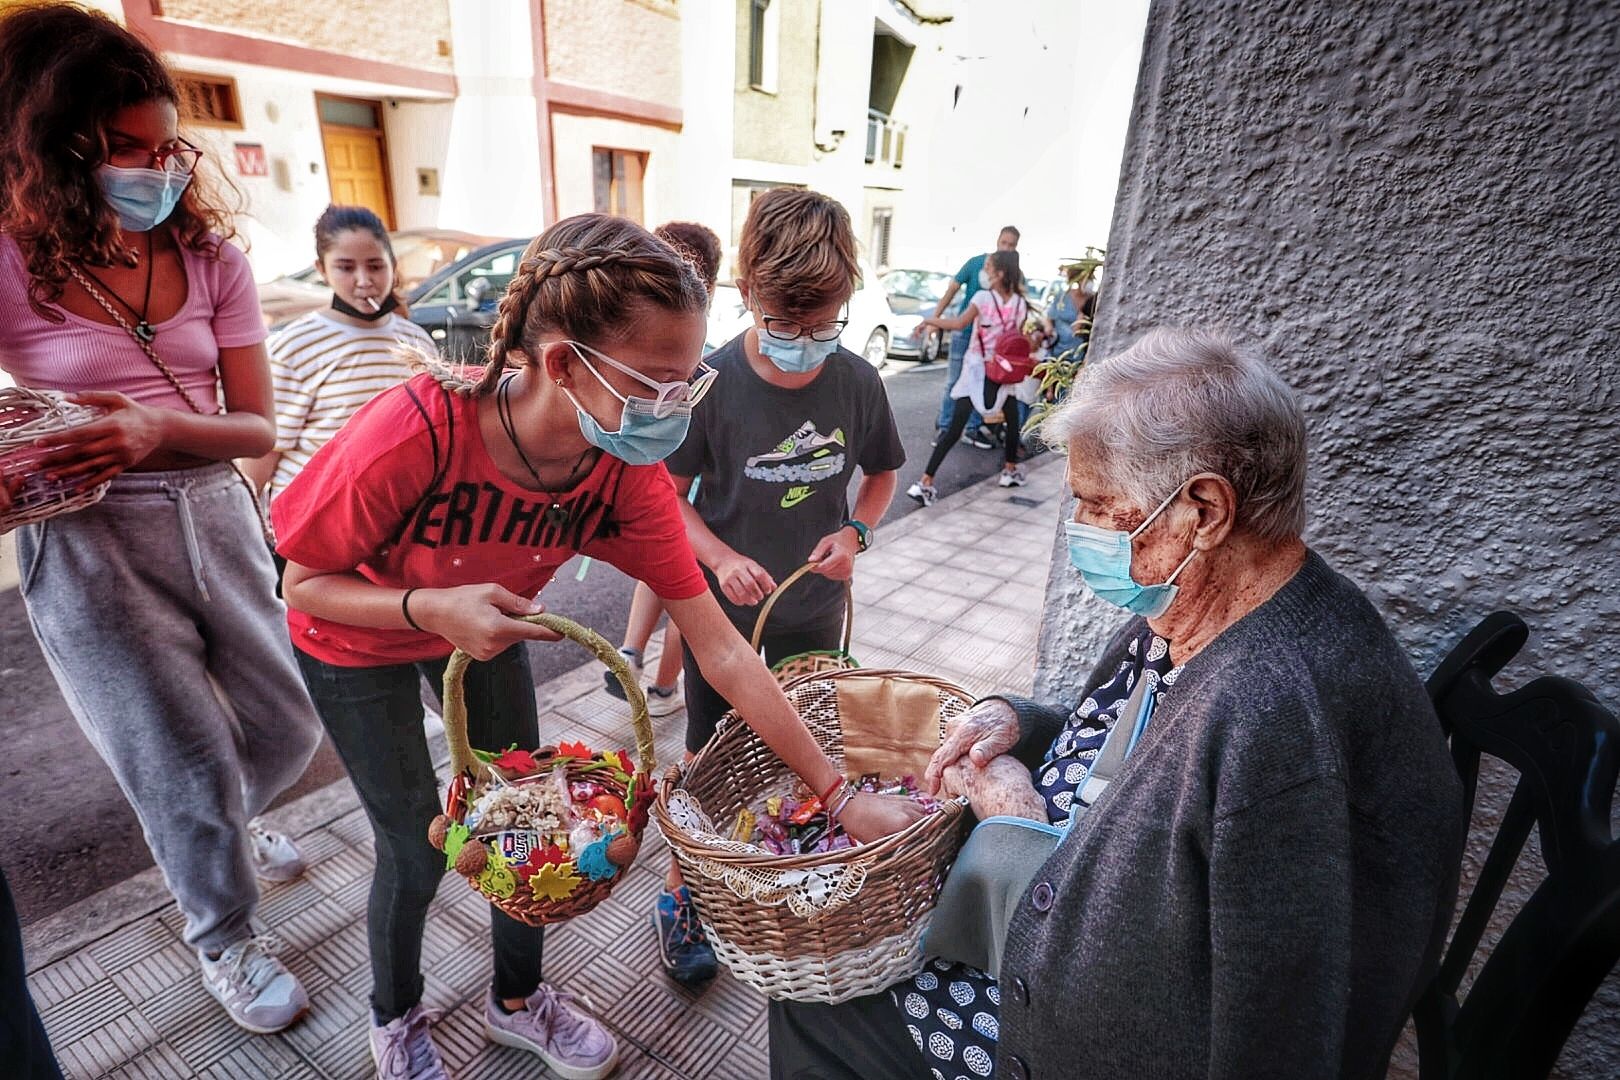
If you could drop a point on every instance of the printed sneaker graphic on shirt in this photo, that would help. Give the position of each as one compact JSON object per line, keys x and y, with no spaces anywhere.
{"x":804,"y":457}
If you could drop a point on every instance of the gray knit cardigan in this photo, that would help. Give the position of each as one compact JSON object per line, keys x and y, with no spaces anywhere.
{"x":1265,"y":885}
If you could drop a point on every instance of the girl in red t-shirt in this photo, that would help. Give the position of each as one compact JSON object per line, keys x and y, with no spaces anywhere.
{"x":435,"y":516}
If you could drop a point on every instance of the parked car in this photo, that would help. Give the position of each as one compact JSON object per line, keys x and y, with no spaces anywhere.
{"x":421,"y":254}
{"x":912,"y":296}
{"x":871,"y":331}
{"x":456,"y":306}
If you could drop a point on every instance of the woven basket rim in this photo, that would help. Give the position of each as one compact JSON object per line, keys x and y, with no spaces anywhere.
{"x":945,"y":817}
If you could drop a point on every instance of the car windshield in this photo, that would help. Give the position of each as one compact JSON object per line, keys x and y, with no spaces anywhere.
{"x":916,"y":284}
{"x":420,"y":257}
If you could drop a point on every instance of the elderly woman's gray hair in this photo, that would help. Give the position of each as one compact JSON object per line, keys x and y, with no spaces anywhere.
{"x":1183,"y":402}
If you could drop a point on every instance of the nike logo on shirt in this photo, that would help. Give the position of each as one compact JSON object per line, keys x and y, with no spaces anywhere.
{"x":795,"y":496}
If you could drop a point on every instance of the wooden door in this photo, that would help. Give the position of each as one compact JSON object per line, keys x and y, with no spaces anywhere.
{"x":357,"y":157}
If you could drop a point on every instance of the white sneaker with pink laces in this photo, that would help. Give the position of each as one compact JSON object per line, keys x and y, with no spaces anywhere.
{"x":572,"y":1043}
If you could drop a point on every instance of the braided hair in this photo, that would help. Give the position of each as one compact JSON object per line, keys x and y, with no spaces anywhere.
{"x":589,"y":277}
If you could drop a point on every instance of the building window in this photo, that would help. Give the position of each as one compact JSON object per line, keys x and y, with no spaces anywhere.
{"x":764,"y":30}
{"x":885,"y":140}
{"x":209,"y":100}
{"x":616,"y":177}
{"x":882,"y":226}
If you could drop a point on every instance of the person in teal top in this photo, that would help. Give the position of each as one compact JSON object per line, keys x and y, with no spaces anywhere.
{"x":972,"y":278}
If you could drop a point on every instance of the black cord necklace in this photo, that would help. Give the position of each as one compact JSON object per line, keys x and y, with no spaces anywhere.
{"x":143,"y":329}
{"x":555,"y":515}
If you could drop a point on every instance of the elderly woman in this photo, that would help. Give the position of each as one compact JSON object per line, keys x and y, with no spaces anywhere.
{"x":1265,"y":882}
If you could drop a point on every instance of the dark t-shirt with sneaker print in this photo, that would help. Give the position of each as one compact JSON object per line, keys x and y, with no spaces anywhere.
{"x":775,"y":467}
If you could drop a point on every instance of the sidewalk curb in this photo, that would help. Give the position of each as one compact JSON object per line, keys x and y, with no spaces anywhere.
{"x":88,"y":920}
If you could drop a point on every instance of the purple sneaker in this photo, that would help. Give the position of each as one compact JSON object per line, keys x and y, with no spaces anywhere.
{"x":572,"y":1043}
{"x":403,"y":1049}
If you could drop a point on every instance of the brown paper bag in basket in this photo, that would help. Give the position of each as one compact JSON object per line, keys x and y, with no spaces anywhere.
{"x":891,"y":728}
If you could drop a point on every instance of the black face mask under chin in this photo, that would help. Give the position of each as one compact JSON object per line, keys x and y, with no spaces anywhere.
{"x":343,"y":307}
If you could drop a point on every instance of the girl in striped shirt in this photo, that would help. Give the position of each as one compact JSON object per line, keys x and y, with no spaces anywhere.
{"x":328,"y":363}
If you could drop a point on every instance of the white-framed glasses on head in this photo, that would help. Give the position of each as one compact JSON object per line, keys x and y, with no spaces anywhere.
{"x":668,"y":397}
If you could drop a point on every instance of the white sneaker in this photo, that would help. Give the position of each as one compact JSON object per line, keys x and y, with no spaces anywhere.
{"x":1016,"y":478}
{"x":257,"y":990}
{"x":665,"y":702}
{"x":403,"y":1050}
{"x":923,"y":493}
{"x":275,"y":856}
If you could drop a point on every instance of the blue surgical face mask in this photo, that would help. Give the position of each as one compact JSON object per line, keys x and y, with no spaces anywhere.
{"x":798,"y":356}
{"x":643,"y":438}
{"x":142,"y":198}
{"x":1103,"y":557}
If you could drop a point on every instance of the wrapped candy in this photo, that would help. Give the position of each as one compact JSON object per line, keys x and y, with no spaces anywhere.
{"x":798,"y":824}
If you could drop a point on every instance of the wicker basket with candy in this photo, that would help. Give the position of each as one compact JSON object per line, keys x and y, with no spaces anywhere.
{"x":792,"y":906}
{"x":544,"y":834}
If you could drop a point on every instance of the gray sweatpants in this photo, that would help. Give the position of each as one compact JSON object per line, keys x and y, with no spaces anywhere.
{"x":150,"y":607}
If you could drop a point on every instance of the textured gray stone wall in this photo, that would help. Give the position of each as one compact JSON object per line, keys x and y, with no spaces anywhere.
{"x":1413,"y":210}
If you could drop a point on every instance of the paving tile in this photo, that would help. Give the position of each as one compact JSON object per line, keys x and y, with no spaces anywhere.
{"x":313,"y":923}
{"x":278,"y":903}
{"x":64,"y":978}
{"x":77,"y":1016}
{"x":353,"y":829}
{"x":109,"y":1040}
{"x":663,"y":1024}
{"x":339,"y":870}
{"x":159,"y":1062}
{"x":258,"y":1059}
{"x":341,"y":953}
{"x":157,"y":972}
{"x":333,"y":1037}
{"x":123,"y":947}
{"x":318,"y":845}
{"x":195,"y":1024}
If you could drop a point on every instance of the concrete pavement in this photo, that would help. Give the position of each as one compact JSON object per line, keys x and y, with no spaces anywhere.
{"x":954,"y":591}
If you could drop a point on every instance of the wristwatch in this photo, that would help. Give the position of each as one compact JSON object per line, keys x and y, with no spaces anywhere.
{"x":863,"y":532}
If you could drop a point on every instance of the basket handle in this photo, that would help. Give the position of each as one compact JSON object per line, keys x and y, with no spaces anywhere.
{"x":455,"y":696}
{"x":770,"y":602}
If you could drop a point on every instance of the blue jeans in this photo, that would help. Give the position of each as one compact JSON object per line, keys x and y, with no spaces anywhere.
{"x":953,"y":371}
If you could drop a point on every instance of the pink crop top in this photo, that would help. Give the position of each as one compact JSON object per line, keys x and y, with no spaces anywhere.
{"x":221,"y":312}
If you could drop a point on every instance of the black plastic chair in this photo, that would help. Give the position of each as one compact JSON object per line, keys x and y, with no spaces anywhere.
{"x":1563,"y":943}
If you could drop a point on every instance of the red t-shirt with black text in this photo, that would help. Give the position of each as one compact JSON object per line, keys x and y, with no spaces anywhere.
{"x":367,"y":503}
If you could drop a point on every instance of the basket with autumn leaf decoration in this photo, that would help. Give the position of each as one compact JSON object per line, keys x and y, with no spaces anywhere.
{"x":538,"y":876}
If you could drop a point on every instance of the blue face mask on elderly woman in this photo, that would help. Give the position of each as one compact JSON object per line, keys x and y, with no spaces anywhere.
{"x":1103,"y":557}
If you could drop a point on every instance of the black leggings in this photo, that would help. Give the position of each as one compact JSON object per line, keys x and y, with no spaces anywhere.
{"x":374,"y":715}
{"x":705,"y":706}
{"x":959,"y":418}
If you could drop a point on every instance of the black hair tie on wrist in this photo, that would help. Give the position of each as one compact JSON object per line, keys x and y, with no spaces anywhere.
{"x":405,"y":610}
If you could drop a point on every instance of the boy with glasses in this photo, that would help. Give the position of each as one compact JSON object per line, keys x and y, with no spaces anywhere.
{"x":776,"y":445}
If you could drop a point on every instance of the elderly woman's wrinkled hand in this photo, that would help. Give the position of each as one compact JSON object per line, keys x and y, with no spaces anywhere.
{"x":988,"y":729}
{"x":1002,"y":788}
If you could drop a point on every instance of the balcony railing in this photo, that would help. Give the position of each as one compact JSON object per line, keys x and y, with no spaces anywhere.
{"x":885,"y":140}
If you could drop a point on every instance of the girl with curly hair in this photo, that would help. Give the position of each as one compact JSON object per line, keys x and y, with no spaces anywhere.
{"x":155,"y":607}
